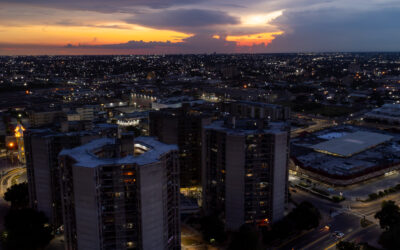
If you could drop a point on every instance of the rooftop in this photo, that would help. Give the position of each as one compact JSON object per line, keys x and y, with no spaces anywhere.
{"x":248,"y":126}
{"x":85,"y":157}
{"x":350,"y":144}
{"x":346,"y":150}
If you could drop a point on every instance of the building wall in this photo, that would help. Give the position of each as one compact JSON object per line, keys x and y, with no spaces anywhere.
{"x":42,"y":175}
{"x":128,"y":206}
{"x":235,"y":182}
{"x":38,"y":119}
{"x":86,"y":210}
{"x":245,"y":175}
{"x":186,"y":131}
{"x":280,"y":175}
{"x":152,"y":182}
{"x":164,"y":127}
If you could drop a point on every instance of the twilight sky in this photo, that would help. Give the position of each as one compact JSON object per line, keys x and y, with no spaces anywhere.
{"x":197,"y":26}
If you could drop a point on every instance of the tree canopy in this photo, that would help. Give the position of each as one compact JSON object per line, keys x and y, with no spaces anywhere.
{"x":389,"y":220}
{"x":26,"y":229}
{"x":18,"y":195}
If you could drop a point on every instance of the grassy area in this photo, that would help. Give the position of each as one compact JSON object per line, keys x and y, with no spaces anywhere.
{"x":338,"y":199}
{"x":391,"y":190}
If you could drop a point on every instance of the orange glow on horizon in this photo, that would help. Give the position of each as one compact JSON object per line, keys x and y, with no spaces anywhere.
{"x":255,"y":39}
{"x":63,"y":35}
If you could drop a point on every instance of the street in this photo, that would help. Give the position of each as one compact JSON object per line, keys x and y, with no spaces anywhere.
{"x":344,"y":217}
{"x":10,"y":174}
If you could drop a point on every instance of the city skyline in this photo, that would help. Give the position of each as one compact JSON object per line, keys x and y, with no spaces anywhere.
{"x":197,"y":26}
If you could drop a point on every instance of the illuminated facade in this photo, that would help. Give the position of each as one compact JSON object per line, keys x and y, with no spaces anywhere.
{"x":19,"y":135}
{"x":245,"y":171}
{"x":121,"y":200}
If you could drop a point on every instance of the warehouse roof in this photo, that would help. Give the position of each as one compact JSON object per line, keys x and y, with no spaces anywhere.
{"x":352,"y":143}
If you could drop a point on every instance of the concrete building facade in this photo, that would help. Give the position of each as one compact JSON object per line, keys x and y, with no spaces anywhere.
{"x":245,"y":171}
{"x":112,"y":201}
{"x":183,"y":127}
{"x":42,"y":147}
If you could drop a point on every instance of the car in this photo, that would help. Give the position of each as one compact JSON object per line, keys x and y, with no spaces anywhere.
{"x":338,"y":234}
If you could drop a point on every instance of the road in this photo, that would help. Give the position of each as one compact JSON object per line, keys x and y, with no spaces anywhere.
{"x":10,"y":178}
{"x":344,"y":217}
{"x":369,"y":209}
{"x":319,"y":124}
{"x":9,"y":174}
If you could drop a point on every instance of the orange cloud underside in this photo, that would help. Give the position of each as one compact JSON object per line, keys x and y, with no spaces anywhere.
{"x":255,"y":39}
{"x":62,"y":35}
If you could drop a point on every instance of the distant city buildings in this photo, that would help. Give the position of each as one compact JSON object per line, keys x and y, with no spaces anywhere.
{"x":245,"y":171}
{"x":388,"y":113}
{"x":228,"y":117}
{"x":256,"y":110}
{"x":111,"y":201}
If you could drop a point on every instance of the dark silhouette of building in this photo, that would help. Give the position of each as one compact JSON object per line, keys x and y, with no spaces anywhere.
{"x":183,"y":127}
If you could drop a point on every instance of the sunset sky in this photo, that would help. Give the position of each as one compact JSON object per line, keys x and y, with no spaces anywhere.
{"x":197,"y":26}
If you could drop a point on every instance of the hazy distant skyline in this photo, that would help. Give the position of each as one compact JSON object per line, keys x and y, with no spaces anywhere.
{"x":197,"y":26}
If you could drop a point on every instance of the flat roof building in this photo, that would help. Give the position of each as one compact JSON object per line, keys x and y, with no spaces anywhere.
{"x":346,"y":154}
{"x":388,"y":113}
{"x":352,"y":143}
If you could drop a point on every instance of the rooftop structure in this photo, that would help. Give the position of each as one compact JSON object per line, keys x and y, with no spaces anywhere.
{"x":351,"y":144}
{"x":85,"y":155}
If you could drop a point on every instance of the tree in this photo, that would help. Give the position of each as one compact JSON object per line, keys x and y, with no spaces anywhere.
{"x":347,"y":245}
{"x":18,"y":195}
{"x":389,"y":220}
{"x":389,"y":215}
{"x":26,"y":229}
{"x":248,"y":238}
{"x":390,"y":239}
{"x":305,"y":216}
{"x":213,"y":228}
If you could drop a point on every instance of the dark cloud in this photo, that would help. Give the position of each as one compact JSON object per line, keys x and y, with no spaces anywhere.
{"x":187,"y":20}
{"x":338,"y":30}
{"x":194,"y":44}
{"x":105,"y":6}
{"x":132,"y":45}
{"x":73,"y":23}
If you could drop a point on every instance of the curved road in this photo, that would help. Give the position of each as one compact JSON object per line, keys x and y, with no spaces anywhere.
{"x":10,"y":178}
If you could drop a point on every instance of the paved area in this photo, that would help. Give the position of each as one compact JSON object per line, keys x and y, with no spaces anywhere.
{"x":372,"y":186}
{"x":56,"y":244}
{"x":343,"y":217}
